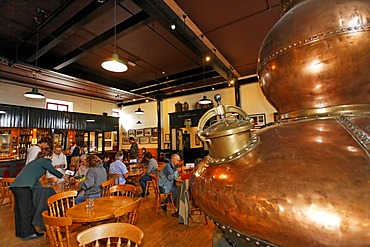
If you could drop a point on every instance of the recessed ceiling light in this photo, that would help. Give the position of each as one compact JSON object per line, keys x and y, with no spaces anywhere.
{"x":208,"y":58}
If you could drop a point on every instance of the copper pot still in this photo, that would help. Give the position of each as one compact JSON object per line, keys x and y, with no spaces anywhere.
{"x":306,"y":180}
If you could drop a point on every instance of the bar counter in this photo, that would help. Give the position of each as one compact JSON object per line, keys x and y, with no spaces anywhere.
{"x":10,"y":167}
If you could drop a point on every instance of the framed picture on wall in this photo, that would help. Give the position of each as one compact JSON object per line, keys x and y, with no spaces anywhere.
{"x":131,"y":133}
{"x":259,"y":120}
{"x":107,"y":135}
{"x":139,"y":133}
{"x":154,"y":132}
{"x":108,"y":144}
{"x":144,"y":140}
{"x":125,"y":140}
{"x":154,"y":139}
{"x":166,"y":137}
{"x":147,"y":131}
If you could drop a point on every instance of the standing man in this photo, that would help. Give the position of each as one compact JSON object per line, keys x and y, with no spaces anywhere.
{"x":75,"y":156}
{"x":118,"y":167}
{"x":167,"y":181}
{"x":44,"y":143}
{"x":22,"y":187}
{"x":151,"y":170}
{"x":59,"y":161}
{"x":134,"y":149}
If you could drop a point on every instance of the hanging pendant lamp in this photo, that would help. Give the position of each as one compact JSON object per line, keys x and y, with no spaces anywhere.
{"x":139,"y":111}
{"x":34,"y":94}
{"x":204,"y":100}
{"x":114,"y":64}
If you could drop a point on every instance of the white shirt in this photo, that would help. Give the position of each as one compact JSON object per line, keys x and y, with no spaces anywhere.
{"x":58,"y":160}
{"x":32,"y":153}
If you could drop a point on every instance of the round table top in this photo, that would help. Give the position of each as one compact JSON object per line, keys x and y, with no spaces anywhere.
{"x":102,"y":210}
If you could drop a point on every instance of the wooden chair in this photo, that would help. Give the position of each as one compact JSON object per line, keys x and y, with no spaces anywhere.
{"x":58,"y":230}
{"x":59,"y":203}
{"x":137,"y":170}
{"x":106,"y":185}
{"x":114,"y":177}
{"x":5,"y":191}
{"x":161,"y":165}
{"x":148,"y":184}
{"x":122,"y":231}
{"x":127,"y":190}
{"x":160,"y":197}
{"x":128,"y":213}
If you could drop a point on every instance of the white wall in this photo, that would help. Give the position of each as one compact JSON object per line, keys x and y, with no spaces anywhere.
{"x":128,"y":120}
{"x":12,"y":94}
{"x":251,"y":97}
{"x":253,"y":101}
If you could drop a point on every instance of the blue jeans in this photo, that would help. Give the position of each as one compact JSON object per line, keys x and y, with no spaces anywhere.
{"x":143,"y":181}
{"x":81,"y":198}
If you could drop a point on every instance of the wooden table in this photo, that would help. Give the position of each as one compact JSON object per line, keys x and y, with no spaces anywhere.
{"x":103,"y":209}
{"x":61,"y":188}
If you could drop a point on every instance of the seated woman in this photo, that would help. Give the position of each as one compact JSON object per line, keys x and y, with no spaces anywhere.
{"x":151,"y":170}
{"x":82,"y":170}
{"x":95,"y":176}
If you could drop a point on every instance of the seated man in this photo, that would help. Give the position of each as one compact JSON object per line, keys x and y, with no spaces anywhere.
{"x":167,"y":181}
{"x":152,"y":169}
{"x":118,"y":167}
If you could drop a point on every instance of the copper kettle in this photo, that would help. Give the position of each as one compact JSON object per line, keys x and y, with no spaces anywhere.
{"x":306,"y":180}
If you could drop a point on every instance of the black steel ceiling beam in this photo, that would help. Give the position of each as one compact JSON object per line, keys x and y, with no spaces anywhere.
{"x":160,"y":11}
{"x":178,"y":94}
{"x":83,"y":17}
{"x":179,"y":82}
{"x":167,"y":80}
{"x":79,"y":71}
{"x":124,"y":27}
{"x":55,"y":13}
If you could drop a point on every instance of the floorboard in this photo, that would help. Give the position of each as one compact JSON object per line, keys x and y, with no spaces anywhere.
{"x":162,"y":230}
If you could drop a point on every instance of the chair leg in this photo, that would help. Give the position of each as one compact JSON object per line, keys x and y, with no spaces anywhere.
{"x":172,"y":203}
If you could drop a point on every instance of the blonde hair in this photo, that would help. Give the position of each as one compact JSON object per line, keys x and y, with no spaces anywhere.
{"x":92,"y":161}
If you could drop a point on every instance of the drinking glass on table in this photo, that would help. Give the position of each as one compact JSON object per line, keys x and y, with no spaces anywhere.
{"x":89,"y":203}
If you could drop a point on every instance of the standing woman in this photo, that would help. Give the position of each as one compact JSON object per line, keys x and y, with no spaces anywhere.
{"x":95,"y":176}
{"x":22,"y":187}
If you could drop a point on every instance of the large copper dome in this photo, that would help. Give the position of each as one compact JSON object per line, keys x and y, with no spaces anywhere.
{"x":305,"y":181}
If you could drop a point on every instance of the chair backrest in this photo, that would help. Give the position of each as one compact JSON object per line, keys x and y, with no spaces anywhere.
{"x":122,"y":231}
{"x":55,"y":226}
{"x":155,"y":185}
{"x":48,"y":182}
{"x":59,"y":203}
{"x":127,"y":190}
{"x":5,"y":191}
{"x":106,"y":186}
{"x":161,"y":164}
{"x":128,"y":213}
{"x":114,"y":177}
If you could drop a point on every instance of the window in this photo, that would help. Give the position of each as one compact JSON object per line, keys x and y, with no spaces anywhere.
{"x":59,"y":105}
{"x":56,"y":106}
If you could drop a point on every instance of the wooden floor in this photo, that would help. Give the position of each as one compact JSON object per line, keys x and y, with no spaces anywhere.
{"x":163,"y":230}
